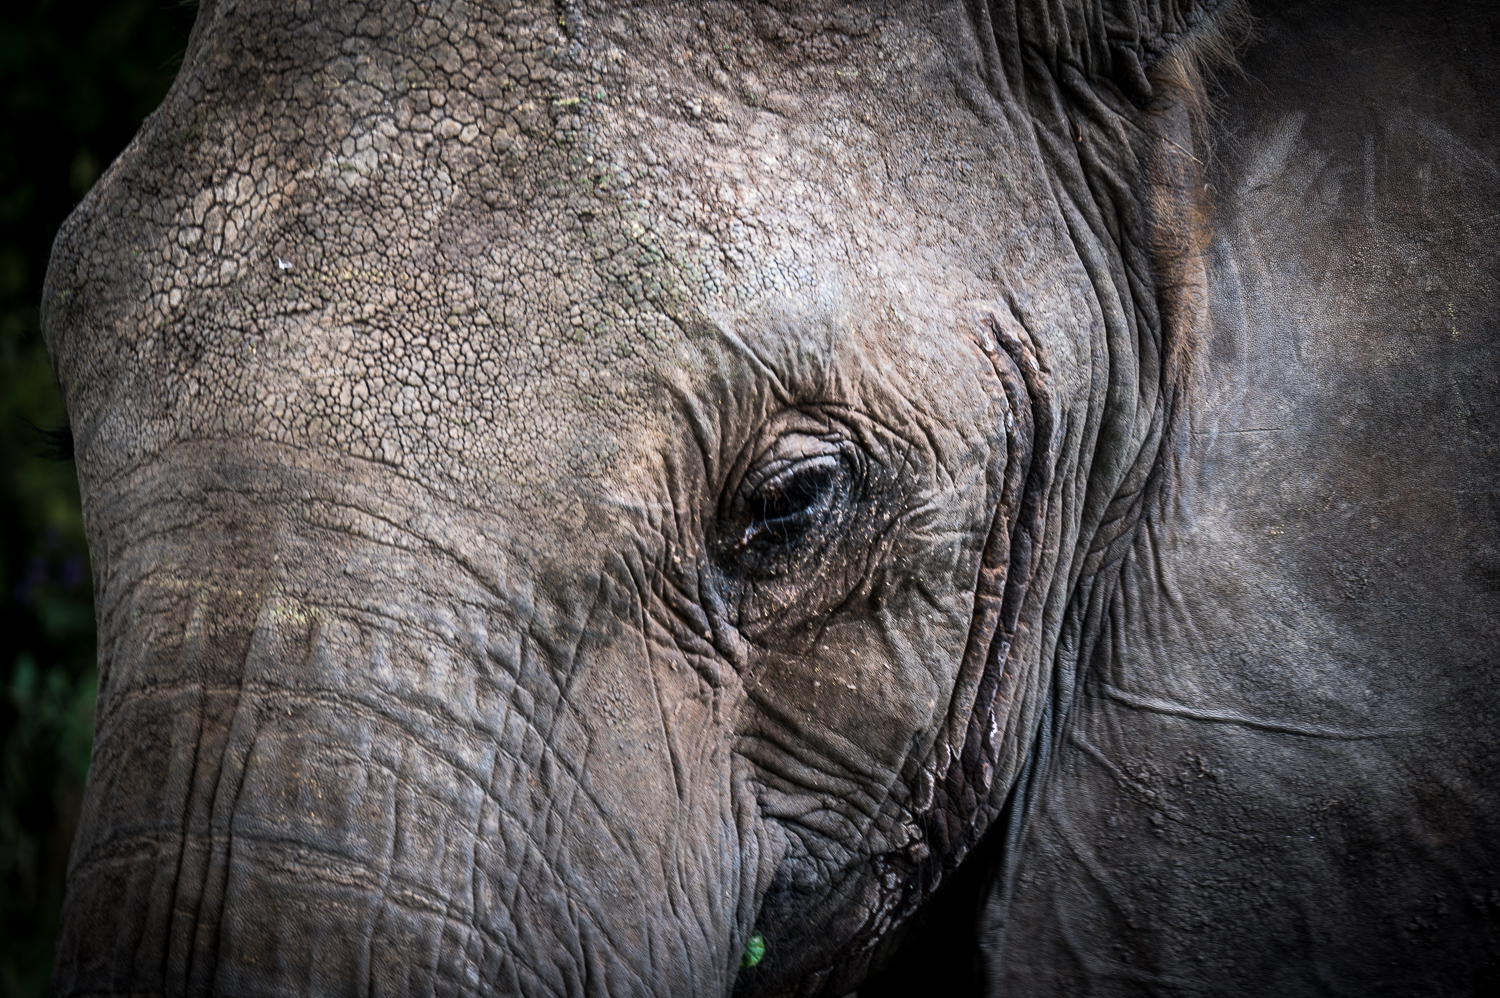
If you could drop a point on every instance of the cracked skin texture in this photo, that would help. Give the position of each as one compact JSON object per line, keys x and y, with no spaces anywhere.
{"x":431,"y":367}
{"x":410,"y":350}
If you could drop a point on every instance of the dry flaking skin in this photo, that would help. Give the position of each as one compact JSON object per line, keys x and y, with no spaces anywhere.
{"x":574,"y":487}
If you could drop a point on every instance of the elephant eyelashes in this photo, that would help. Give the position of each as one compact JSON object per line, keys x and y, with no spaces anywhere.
{"x":785,"y":506}
{"x":787,"y":503}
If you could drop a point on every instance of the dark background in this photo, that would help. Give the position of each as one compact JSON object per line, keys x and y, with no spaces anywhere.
{"x":76,"y":79}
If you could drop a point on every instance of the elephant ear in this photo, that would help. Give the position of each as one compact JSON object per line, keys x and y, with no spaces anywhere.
{"x":1118,"y":152}
{"x":1108,"y":91}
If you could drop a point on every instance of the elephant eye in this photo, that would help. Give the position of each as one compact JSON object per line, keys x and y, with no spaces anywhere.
{"x":804,"y":514}
{"x":785,"y":505}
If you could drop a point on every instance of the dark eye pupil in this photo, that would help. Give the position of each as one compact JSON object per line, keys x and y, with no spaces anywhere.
{"x":786,"y":505}
{"x":787,"y":496}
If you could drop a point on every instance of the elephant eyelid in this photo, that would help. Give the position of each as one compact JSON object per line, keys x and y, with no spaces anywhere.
{"x":785,"y":503}
{"x":791,"y":499}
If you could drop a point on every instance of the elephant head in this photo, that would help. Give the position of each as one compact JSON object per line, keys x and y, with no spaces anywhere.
{"x":603,"y":499}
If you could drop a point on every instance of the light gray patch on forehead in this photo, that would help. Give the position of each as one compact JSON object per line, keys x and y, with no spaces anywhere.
{"x":468,"y":244}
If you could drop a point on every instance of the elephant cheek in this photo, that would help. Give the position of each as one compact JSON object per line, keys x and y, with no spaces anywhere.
{"x":304,"y":785}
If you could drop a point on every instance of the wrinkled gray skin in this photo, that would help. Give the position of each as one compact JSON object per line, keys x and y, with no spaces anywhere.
{"x":571,"y":488}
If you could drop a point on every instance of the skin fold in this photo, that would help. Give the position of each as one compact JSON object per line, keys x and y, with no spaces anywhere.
{"x":573,"y":489}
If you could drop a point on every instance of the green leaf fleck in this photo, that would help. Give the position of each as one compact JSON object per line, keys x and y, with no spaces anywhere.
{"x":755,"y":950}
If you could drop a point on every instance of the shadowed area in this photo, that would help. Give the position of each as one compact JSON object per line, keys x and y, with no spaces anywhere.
{"x":1280,"y":776}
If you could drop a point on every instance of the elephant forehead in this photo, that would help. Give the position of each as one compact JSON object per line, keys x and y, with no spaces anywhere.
{"x":543,"y":337}
{"x":501,"y":276}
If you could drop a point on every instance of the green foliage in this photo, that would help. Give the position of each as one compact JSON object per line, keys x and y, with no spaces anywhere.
{"x":755,"y":950}
{"x":75,"y":81}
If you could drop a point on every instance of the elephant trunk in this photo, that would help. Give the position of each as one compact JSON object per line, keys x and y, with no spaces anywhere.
{"x":302,"y":783}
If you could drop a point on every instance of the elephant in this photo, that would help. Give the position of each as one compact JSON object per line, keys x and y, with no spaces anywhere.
{"x":794,"y":498}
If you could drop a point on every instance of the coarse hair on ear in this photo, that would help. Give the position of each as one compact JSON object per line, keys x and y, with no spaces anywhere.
{"x":1212,"y":46}
{"x":1175,"y":162}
